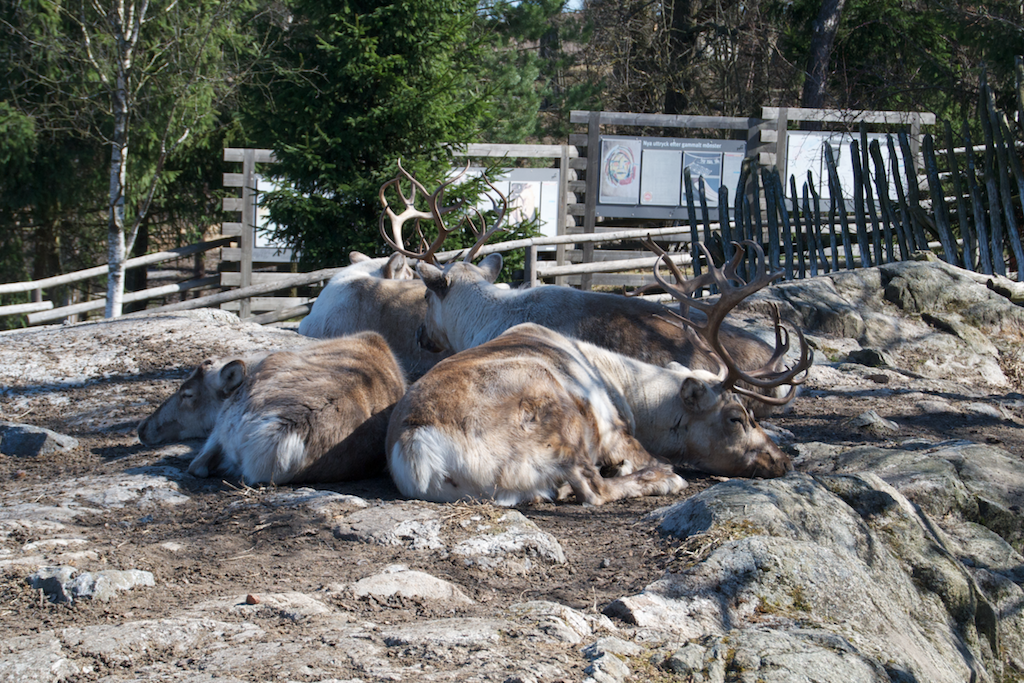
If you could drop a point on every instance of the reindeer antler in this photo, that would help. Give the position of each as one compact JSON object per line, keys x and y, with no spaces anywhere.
{"x":483,"y":235}
{"x":436,"y":214}
{"x":707,"y":335}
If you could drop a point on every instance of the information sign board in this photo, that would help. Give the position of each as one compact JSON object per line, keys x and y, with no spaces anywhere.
{"x":531,"y":192}
{"x":643,"y":177}
{"x":805,"y":151}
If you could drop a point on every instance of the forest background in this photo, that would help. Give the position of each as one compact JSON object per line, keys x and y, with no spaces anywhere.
{"x":113,"y":113}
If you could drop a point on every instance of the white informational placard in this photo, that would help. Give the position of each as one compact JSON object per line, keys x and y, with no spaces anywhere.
{"x":704,"y":167}
{"x":805,"y":151}
{"x":531,"y":192}
{"x":661,"y":188}
{"x":620,"y":171}
{"x":644,"y":177}
{"x":264,"y":226}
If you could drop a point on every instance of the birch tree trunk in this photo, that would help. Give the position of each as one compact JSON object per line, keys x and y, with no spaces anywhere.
{"x":116,"y":246}
{"x":125,"y":20}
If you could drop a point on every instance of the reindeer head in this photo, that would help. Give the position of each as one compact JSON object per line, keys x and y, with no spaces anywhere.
{"x":719,"y":434}
{"x":445,"y":289}
{"x":706,"y":334}
{"x":441,"y":280}
{"x":394,"y":267}
{"x":723,"y":437}
{"x":435,"y":212}
{"x":191,"y":412}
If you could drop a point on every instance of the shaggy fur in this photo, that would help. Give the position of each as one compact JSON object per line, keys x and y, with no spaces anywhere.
{"x":518,"y":417}
{"x":375,"y":294}
{"x":314,"y":414}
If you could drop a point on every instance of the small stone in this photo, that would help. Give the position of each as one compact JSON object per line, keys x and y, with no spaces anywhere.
{"x":871,"y":358}
{"x":874,"y":423}
{"x":105,"y":585}
{"x":688,"y":659}
{"x":53,"y":582}
{"x":251,"y":599}
{"x":605,"y":563}
{"x":24,"y":441}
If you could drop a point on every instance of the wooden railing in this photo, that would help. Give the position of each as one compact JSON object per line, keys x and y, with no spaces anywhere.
{"x":44,"y":311}
{"x":961,"y":203}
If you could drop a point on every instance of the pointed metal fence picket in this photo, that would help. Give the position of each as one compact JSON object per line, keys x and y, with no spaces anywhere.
{"x":962,"y":203}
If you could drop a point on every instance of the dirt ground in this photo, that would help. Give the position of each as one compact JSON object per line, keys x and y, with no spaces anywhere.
{"x":252,"y":548}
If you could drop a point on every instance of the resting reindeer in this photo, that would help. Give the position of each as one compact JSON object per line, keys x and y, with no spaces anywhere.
{"x":376,"y":294}
{"x":383,"y":294}
{"x":464,"y":309}
{"x":517,"y":417}
{"x":314,"y":414}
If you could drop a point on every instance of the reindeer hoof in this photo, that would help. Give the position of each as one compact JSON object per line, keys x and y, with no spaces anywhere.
{"x":675,"y":484}
{"x":199,"y":472}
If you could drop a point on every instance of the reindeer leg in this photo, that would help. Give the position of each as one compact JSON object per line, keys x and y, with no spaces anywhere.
{"x":653,"y":478}
{"x":200,"y":465}
{"x":657,"y":480}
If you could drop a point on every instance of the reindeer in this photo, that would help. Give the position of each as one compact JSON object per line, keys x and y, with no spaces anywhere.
{"x":378,"y":294}
{"x":520,"y":416}
{"x":383,"y":294}
{"x":465,"y":309}
{"x":318,"y":413}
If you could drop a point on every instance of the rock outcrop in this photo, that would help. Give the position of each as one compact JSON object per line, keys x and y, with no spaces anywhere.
{"x":892,"y":553}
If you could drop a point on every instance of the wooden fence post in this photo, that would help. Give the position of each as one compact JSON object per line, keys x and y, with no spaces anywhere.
{"x":836,"y":195}
{"x":781,"y":132}
{"x":562,"y":219}
{"x":939,"y":214}
{"x":247,"y":238}
{"x":593,"y":188}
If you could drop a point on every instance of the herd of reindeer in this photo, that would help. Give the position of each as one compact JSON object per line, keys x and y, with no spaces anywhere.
{"x":463,"y":389}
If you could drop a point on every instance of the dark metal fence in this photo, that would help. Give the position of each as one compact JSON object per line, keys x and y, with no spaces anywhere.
{"x":963,"y":203}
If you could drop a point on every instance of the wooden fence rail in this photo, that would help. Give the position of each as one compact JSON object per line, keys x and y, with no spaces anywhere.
{"x":956,"y":198}
{"x":44,"y":311}
{"x":962,"y":202}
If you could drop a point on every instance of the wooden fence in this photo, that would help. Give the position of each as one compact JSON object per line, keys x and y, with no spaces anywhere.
{"x":960,"y":200}
{"x":40,"y":311}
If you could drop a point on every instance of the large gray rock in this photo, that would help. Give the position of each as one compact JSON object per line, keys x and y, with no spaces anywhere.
{"x":399,"y":580}
{"x":505,"y":540}
{"x":35,"y":658}
{"x":845,"y":555}
{"x":155,"y":638}
{"x":930,"y":317}
{"x":958,"y":480}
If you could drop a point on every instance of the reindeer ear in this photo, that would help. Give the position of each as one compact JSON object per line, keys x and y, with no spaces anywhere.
{"x":231,"y":376}
{"x":434,"y":278}
{"x":396,"y":268}
{"x":695,"y":395}
{"x":357,"y":257}
{"x":491,"y":267}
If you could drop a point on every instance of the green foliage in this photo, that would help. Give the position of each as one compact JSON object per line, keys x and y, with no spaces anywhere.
{"x":55,"y":115}
{"x":911,"y":55}
{"x":375,"y":82}
{"x":535,"y":74}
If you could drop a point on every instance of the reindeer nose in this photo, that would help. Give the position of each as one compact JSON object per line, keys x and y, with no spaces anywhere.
{"x":770,"y":463}
{"x":144,"y":436}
